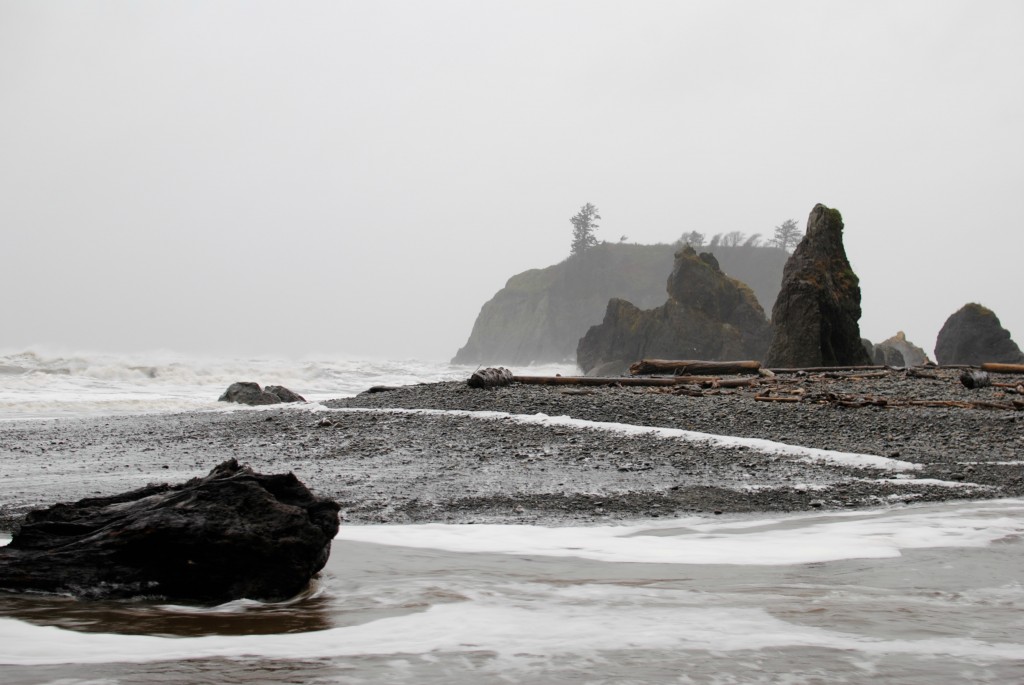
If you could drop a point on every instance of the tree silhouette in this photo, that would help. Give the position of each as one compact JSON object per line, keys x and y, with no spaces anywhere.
{"x":584,"y":223}
{"x":733,"y":238}
{"x":694,"y":239}
{"x":787,"y":235}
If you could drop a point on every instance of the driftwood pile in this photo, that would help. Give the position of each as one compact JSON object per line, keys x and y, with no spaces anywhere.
{"x":697,"y":378}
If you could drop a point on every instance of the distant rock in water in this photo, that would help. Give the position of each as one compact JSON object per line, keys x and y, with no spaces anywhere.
{"x":887,"y":355}
{"x":708,"y":316}
{"x":540,"y":315}
{"x":900,"y":352}
{"x":815,"y":321}
{"x":230,"y":535}
{"x":251,"y":393}
{"x":973,"y":335}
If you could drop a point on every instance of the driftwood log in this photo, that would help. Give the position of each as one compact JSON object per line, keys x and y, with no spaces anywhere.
{"x":855,"y":375}
{"x":691,"y":366}
{"x":821,"y":369}
{"x":993,"y":367}
{"x":625,"y":381}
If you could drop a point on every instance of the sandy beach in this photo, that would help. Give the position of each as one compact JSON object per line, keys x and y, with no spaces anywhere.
{"x":444,"y":452}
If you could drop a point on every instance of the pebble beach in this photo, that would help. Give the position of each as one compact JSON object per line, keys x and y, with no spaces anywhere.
{"x":444,"y":452}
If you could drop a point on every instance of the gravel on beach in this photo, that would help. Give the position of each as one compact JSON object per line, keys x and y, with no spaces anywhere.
{"x":453,"y":463}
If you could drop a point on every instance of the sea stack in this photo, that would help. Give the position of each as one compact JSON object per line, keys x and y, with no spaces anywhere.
{"x":815,"y":320}
{"x":708,"y":315}
{"x":898,"y":351}
{"x":973,"y":335}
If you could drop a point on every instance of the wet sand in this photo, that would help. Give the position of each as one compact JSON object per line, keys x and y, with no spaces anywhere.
{"x":400,"y":466}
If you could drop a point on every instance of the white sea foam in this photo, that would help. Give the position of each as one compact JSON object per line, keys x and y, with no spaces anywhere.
{"x":935,"y":482}
{"x":795,"y":539}
{"x":47,"y":384}
{"x":509,"y":622}
{"x":529,"y":624}
{"x":809,"y":454}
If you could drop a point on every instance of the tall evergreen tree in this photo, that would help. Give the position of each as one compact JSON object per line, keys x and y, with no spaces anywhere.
{"x":787,"y":235}
{"x":584,"y":223}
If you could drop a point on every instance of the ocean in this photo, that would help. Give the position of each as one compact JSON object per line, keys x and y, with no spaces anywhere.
{"x":38,"y":384}
{"x":904,"y":594}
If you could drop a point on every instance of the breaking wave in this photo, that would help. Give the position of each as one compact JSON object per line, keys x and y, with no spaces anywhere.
{"x":35,"y":384}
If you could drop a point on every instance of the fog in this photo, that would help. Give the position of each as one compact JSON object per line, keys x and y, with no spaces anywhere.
{"x":342,"y":178}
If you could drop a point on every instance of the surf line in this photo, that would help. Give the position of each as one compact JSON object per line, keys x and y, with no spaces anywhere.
{"x":798,"y":452}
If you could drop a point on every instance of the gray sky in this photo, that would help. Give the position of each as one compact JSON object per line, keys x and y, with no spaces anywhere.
{"x":311,"y":177}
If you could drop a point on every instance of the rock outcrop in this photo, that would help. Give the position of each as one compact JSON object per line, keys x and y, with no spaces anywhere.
{"x":245,"y":392}
{"x":900,"y":352}
{"x":973,"y":335}
{"x":886,"y":355}
{"x":708,"y":315}
{"x":540,"y":315}
{"x":869,"y":347}
{"x":815,"y":321}
{"x":232,"y":534}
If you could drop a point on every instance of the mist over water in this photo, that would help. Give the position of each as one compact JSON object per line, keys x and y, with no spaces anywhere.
{"x":37,"y":384}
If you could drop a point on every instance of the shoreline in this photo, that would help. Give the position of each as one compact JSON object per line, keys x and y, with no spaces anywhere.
{"x":388,"y":461}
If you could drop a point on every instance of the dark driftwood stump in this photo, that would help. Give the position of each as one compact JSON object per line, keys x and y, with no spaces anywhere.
{"x":228,"y":535}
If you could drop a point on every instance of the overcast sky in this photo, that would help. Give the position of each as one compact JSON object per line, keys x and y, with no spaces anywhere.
{"x":357,"y":179}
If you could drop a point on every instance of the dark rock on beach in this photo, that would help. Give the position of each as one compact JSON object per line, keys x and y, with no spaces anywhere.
{"x":708,"y":315}
{"x":252,"y":393}
{"x":815,"y":318}
{"x":284,"y":394}
{"x":974,"y":335}
{"x":232,"y":534}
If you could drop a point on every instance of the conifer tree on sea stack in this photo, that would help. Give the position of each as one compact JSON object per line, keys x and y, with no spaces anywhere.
{"x":787,"y":235}
{"x":584,"y":223}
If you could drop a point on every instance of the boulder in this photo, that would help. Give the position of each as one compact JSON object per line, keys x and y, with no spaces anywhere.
{"x":909,"y":353}
{"x":284,"y":394}
{"x":229,"y":535}
{"x":251,"y":393}
{"x":815,"y":320}
{"x":708,"y":316}
{"x":973,"y":335}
